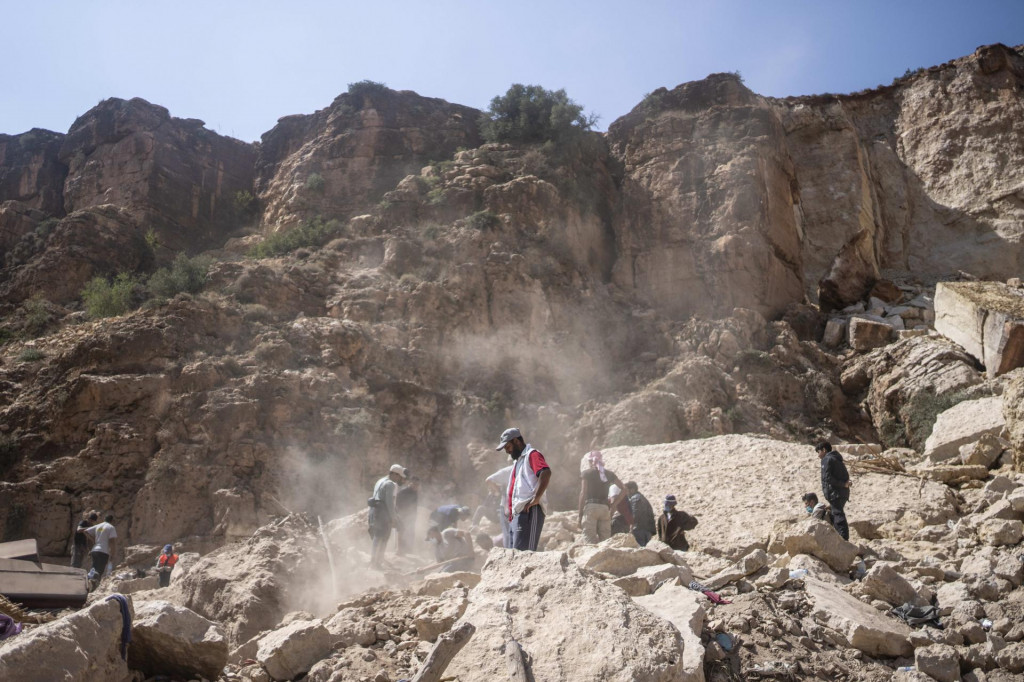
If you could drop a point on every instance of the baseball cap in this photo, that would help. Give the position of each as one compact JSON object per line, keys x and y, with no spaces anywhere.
{"x":507,"y":435}
{"x":398,"y":469}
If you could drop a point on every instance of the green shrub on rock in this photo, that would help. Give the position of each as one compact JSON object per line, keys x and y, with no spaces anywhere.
{"x":103,"y":298}
{"x":531,"y":113}
{"x":186,"y":275}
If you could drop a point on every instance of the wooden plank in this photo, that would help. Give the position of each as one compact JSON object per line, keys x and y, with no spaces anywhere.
{"x":42,"y":585}
{"x":26,"y":550}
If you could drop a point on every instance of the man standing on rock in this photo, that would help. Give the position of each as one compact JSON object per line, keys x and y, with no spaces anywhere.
{"x":835,"y":484}
{"x":525,"y":500}
{"x":80,"y":547}
{"x":104,"y":535}
{"x":595,"y":516}
{"x":384,"y":513}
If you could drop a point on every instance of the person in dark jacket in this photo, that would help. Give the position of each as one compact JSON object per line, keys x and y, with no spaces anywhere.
{"x":835,"y":485}
{"x":673,"y":524}
{"x":80,"y":548}
{"x":643,"y":515}
{"x":406,"y":502}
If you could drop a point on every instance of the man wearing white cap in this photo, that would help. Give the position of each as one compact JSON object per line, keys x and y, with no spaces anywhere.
{"x":383,"y":514}
{"x":525,"y":501}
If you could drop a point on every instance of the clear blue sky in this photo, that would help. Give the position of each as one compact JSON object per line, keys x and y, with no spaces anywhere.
{"x":241,"y":65}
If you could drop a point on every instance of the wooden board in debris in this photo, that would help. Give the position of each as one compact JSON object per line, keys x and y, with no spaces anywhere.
{"x":42,"y":585}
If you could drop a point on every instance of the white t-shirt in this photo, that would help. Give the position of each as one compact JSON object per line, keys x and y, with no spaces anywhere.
{"x":500,"y":477}
{"x":103,"y":532}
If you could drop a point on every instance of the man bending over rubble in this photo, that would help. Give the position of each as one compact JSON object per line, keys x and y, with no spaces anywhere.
{"x":525,"y":500}
{"x":835,"y":485}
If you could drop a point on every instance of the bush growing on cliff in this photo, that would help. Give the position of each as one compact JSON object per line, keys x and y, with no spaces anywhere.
{"x":531,"y":113}
{"x":186,"y":275}
{"x":103,"y":298}
{"x":312,"y":233}
{"x":365,"y":88}
{"x":315,"y":183}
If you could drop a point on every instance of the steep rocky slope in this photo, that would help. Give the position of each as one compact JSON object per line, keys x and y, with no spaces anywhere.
{"x":644,"y":286}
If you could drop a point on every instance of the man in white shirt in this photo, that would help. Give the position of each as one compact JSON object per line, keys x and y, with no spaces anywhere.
{"x":104,"y":537}
{"x":384,"y":513}
{"x":525,"y":500}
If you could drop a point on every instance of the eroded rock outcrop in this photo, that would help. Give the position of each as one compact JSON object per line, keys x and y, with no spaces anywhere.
{"x":707,"y":221}
{"x":173,"y":175}
{"x":31,"y":172}
{"x":359,"y":147}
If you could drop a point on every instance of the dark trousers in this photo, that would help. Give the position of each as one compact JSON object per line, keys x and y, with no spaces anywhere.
{"x":526,"y":528}
{"x":642,"y":536}
{"x":77,"y":557}
{"x":99,"y":562}
{"x":839,"y":516}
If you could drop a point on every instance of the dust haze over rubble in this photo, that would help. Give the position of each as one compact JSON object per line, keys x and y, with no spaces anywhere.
{"x":714,"y":283}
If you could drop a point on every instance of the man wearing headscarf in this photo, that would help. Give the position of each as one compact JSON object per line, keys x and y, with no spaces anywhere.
{"x":595,"y":507}
{"x":673,"y":524}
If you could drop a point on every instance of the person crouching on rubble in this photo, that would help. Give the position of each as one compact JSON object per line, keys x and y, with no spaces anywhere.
{"x":595,"y":516}
{"x":452,"y":547}
{"x":165,"y":564}
{"x":673,"y":524}
{"x":383,"y":512}
{"x":525,"y":499}
{"x":817,"y":510}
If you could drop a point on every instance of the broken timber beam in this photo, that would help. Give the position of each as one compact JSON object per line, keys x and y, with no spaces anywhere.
{"x":447,"y":646}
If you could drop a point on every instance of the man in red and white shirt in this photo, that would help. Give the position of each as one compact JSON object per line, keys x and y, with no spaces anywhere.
{"x":525,"y":502}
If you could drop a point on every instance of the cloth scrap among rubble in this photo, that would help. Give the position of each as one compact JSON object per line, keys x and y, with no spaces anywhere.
{"x":126,"y":622}
{"x":713,"y":596}
{"x":916,"y":616}
{"x":8,"y":626}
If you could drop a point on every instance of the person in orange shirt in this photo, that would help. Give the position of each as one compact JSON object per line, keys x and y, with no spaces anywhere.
{"x":165,"y":564}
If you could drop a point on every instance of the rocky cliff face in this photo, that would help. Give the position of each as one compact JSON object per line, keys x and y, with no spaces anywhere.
{"x":173,"y":175}
{"x":920,"y":178}
{"x":707,"y":221}
{"x":342,"y":159}
{"x":647,"y":285}
{"x":31,"y":171}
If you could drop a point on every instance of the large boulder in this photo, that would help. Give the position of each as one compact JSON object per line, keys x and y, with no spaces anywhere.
{"x":863,"y":627}
{"x":939,"y":661}
{"x":883,"y":582}
{"x":540,"y":599}
{"x":615,"y":560}
{"x":961,"y":424}
{"x":751,"y":563}
{"x":249,"y":587}
{"x":821,"y":540}
{"x":293,"y":649}
{"x":172,"y":640}
{"x":684,"y":608}
{"x":986,"y":318}
{"x":867,"y":333}
{"x":82,"y":647}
